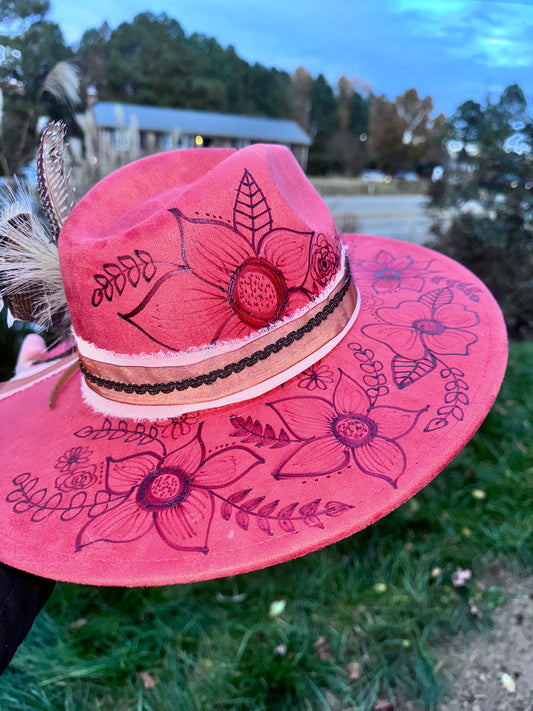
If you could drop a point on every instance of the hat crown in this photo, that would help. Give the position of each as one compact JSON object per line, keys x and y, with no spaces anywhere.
{"x":196,"y":248}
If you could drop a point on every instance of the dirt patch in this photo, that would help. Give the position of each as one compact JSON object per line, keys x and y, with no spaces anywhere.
{"x":494,"y":672}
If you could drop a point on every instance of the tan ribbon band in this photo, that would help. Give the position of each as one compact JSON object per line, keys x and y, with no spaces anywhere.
{"x":226,"y":374}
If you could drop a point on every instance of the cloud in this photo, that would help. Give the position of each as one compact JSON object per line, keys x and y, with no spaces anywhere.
{"x":484,"y":31}
{"x":452,"y":50}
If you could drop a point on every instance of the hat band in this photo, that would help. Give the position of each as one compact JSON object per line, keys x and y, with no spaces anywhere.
{"x":211,"y":382}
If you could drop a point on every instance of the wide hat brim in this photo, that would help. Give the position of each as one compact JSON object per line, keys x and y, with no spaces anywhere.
{"x":92,"y":499}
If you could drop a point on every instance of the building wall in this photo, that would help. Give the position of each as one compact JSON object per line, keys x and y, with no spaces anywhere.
{"x":119,"y":146}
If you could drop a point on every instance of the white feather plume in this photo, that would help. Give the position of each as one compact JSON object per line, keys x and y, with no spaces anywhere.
{"x":63,"y":83}
{"x":29,"y":261}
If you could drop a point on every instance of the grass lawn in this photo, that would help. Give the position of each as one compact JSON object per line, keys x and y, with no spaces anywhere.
{"x":338,"y":629}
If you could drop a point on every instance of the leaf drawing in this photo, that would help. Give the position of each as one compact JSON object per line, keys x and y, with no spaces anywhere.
{"x":252,"y":431}
{"x":117,"y":275}
{"x":406,"y":371}
{"x":266,"y":514}
{"x":436,"y":298}
{"x":251,"y":213}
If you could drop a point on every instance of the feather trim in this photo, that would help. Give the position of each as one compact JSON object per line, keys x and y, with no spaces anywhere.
{"x":52,"y":179}
{"x":63,"y":83}
{"x":30,"y":278}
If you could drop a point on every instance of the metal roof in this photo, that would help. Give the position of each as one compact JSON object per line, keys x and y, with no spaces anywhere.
{"x":205,"y":123}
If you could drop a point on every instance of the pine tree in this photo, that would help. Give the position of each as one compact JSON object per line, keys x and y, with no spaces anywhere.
{"x":484,"y":203}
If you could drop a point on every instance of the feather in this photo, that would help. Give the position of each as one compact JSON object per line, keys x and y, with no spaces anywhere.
{"x":63,"y":83}
{"x":30,"y":278}
{"x":52,"y":179}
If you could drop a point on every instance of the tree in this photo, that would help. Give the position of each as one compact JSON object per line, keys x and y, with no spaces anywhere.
{"x":492,"y":170}
{"x":403,"y":135}
{"x":359,"y":119}
{"x":93,"y":56}
{"x":345,"y":99}
{"x":300,"y":90}
{"x":346,"y":148}
{"x":32,"y":46}
{"x":415,"y":114}
{"x":346,"y":153}
{"x":433,"y":152}
{"x":234,"y":74}
{"x":268,"y":90}
{"x":151,"y":61}
{"x":423,"y":137}
{"x":386,"y":129}
{"x":324,"y":123}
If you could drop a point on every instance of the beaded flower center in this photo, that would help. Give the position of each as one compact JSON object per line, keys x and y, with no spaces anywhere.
{"x":163,"y":488}
{"x":258,"y":293}
{"x":392,"y":274}
{"x":429,"y":326}
{"x":354,"y":430}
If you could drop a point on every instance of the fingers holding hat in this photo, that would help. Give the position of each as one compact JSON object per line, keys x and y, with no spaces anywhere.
{"x":33,"y":348}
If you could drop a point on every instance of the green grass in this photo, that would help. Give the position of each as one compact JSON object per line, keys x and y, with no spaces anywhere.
{"x":383,"y":598}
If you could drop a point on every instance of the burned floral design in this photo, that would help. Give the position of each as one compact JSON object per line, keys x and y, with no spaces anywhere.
{"x":180,"y":426}
{"x":348,"y":429}
{"x":77,"y":479}
{"x":316,"y":377}
{"x":433,"y":324}
{"x":73,"y":458}
{"x":236,"y":277}
{"x":325,"y":259}
{"x":387,"y":273}
{"x":171,"y":496}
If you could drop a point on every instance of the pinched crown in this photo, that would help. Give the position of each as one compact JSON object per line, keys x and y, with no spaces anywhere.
{"x":196,"y":264}
{"x":175,"y":291}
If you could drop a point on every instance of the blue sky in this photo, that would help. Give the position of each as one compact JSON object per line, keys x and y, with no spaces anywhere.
{"x":452,"y":50}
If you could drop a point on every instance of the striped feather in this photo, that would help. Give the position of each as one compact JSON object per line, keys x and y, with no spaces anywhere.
{"x":52,"y":179}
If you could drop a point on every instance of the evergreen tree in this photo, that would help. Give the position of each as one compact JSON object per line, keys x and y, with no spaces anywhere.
{"x":151,"y":61}
{"x":484,"y":203}
{"x":324,"y":123}
{"x":31,"y":46}
{"x":93,"y":55}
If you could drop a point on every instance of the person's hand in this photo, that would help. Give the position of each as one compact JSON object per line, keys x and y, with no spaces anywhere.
{"x":32,"y":348}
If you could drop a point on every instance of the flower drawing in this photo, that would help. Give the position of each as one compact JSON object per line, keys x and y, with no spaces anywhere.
{"x":316,"y":377}
{"x":325,"y":259}
{"x":432,"y":324}
{"x":180,"y":426}
{"x":237,"y":277}
{"x":170,"y":495}
{"x":77,"y":479}
{"x":347,"y":430}
{"x":386,"y":273}
{"x":73,"y":458}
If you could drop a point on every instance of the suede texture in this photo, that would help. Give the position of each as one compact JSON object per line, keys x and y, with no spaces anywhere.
{"x":104,"y":500}
{"x":185,"y":252}
{"x":158,"y":209}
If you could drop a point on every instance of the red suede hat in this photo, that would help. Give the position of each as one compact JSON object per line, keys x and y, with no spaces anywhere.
{"x":248,"y":386}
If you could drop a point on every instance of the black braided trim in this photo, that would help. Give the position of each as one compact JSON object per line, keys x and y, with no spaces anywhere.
{"x":231,"y":368}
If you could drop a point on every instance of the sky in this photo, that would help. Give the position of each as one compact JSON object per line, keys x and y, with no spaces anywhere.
{"x":451,"y":50}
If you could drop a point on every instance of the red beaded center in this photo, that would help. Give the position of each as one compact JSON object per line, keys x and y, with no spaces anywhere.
{"x":258,"y":293}
{"x":163,"y":488}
